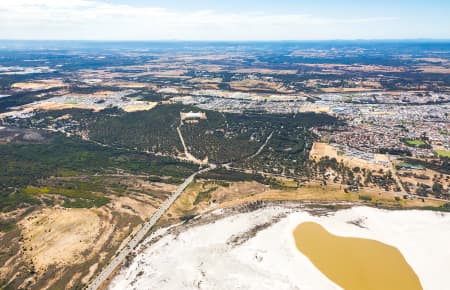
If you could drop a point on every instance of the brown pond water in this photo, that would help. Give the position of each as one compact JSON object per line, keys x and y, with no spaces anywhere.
{"x":354,"y":263}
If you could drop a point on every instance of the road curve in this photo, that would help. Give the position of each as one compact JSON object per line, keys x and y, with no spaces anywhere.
{"x":132,"y":244}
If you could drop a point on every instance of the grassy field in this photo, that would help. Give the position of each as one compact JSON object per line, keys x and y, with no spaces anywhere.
{"x":415,"y":143}
{"x":204,"y":195}
{"x":442,"y":153}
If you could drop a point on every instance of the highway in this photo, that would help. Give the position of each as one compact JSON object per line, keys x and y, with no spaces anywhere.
{"x":134,"y":242}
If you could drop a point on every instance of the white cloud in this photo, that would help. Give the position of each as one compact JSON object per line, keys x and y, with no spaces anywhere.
{"x":89,"y":19}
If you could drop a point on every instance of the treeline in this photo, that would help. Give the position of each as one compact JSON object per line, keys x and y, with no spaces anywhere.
{"x":354,"y":177}
{"x":231,"y":175}
{"x":441,"y":164}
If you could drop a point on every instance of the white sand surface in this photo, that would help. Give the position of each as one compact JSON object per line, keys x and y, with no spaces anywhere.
{"x":202,"y":257}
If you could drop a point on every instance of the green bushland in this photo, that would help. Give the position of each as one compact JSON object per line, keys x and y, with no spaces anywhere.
{"x":282,"y":184}
{"x":234,"y":137}
{"x":441,"y":164}
{"x":204,"y":195}
{"x":223,"y":137}
{"x":7,"y":226}
{"x":24,"y":164}
{"x":288,"y":150}
{"x":173,"y":180}
{"x":365,"y":197}
{"x":212,"y":138}
{"x":153,"y":131}
{"x":81,"y":197}
{"x":28,"y":164}
{"x":222,"y":183}
{"x":231,"y":175}
{"x":155,"y":179}
{"x":170,"y":180}
{"x":444,"y":208}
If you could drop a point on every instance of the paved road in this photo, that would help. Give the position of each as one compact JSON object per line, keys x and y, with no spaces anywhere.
{"x":120,"y":257}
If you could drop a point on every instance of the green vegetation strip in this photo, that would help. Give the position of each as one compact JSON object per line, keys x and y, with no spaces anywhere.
{"x":204,"y":195}
{"x":77,"y":197}
{"x":442,"y":153}
{"x":415,"y":143}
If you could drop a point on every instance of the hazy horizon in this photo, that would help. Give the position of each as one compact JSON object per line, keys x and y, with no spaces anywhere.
{"x":200,"y":20}
{"x":355,"y":40}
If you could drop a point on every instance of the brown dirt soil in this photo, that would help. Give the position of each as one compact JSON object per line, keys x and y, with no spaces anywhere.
{"x":59,"y":248}
{"x":320,"y":150}
{"x":140,"y":205}
{"x":144,"y":106}
{"x":266,"y":71}
{"x":59,"y":236}
{"x":251,"y":85}
{"x":348,"y":90}
{"x":39,"y":85}
{"x":434,"y":69}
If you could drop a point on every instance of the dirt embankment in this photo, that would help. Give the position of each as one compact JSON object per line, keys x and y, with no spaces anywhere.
{"x":59,"y":236}
{"x":62,"y":248}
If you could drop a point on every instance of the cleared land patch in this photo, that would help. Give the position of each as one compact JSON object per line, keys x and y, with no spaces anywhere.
{"x":59,"y":236}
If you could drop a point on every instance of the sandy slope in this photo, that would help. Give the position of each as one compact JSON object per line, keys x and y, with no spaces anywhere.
{"x":60,"y":236}
{"x":203,"y":257}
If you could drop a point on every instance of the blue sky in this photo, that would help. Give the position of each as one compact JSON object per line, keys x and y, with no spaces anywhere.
{"x":224,"y":20}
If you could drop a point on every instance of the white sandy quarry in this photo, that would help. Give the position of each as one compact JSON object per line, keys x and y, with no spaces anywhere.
{"x":202,"y":257}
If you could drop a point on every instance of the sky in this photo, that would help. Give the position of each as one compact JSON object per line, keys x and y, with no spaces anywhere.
{"x":241,"y":20}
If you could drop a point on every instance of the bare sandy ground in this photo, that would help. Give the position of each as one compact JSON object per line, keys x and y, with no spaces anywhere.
{"x":97,"y":101}
{"x":61,"y":247}
{"x":60,"y":236}
{"x":348,"y":90}
{"x":39,"y":85}
{"x":257,"y":250}
{"x":434,"y":69}
{"x":266,"y":71}
{"x":205,"y":80}
{"x":315,"y":109}
{"x":143,"y":106}
{"x":322,"y":149}
{"x":251,"y":85}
